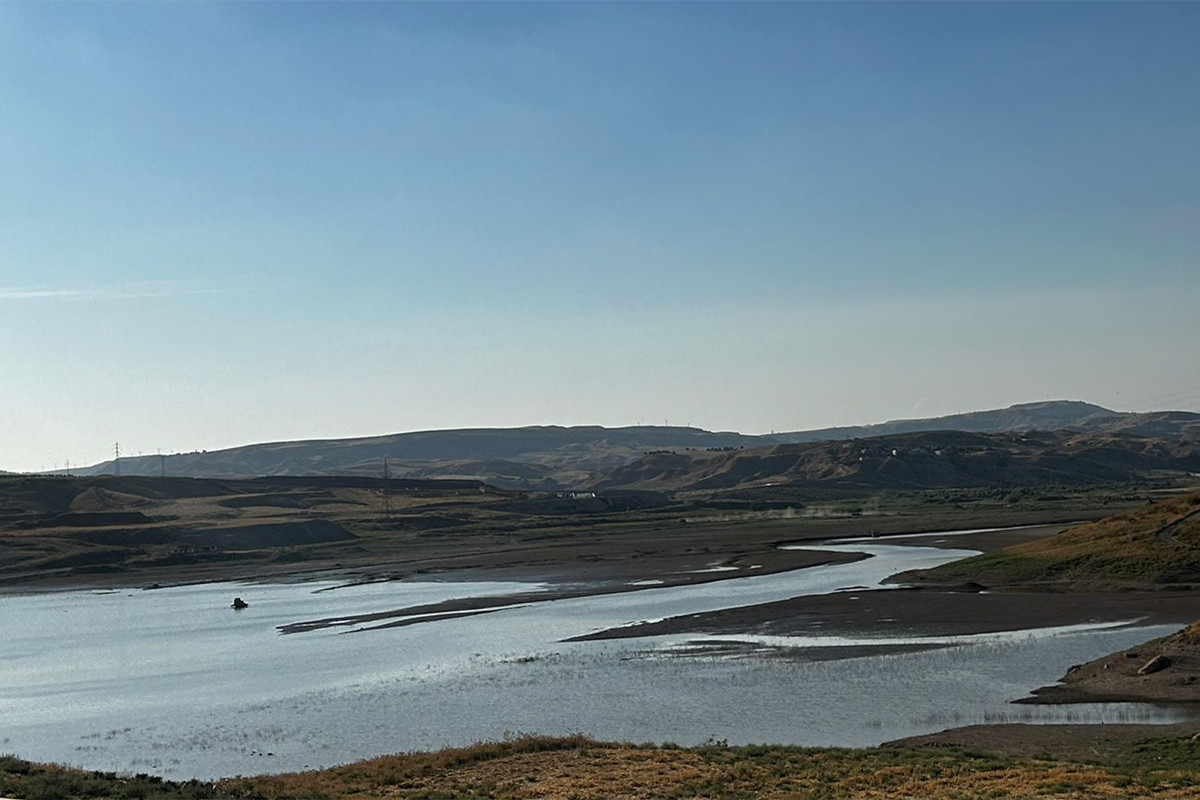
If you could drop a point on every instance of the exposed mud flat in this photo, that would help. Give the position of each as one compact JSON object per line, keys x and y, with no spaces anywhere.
{"x":923,"y":612}
{"x":1084,"y":742}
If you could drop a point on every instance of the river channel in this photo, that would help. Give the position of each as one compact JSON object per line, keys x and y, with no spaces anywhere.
{"x":173,"y":682}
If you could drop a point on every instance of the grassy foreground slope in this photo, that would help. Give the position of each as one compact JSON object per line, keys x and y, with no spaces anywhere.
{"x":1158,"y":544}
{"x":576,"y":767}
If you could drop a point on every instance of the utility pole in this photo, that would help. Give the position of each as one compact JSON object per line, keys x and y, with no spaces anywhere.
{"x":387,"y":489}
{"x":162,"y":464}
{"x":117,"y":457}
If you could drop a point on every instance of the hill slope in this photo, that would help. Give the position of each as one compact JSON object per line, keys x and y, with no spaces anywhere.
{"x":553,"y":457}
{"x":1176,"y":425}
{"x":1155,"y":544}
{"x":1051,"y":415}
{"x":915,"y":461}
{"x":541,"y":457}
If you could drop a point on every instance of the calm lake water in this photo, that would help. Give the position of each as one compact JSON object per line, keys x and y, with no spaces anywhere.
{"x":175,"y":683}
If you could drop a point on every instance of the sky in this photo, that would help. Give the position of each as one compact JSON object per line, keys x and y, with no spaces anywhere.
{"x":225,"y":223}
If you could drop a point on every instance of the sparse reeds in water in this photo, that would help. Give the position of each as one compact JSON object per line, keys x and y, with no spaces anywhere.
{"x":29,"y":781}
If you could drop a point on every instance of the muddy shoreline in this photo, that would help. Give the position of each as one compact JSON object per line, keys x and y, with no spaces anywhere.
{"x":919,"y":611}
{"x":610,"y":584}
{"x":1075,"y":741}
{"x":674,"y":550}
{"x":931,"y":610}
{"x":573,"y":580}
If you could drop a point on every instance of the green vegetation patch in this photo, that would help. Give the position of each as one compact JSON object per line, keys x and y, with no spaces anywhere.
{"x":1155,"y":544}
{"x":1003,"y":566}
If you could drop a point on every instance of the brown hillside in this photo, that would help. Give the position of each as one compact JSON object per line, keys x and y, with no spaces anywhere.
{"x":916,"y":461}
{"x":1153,"y":545}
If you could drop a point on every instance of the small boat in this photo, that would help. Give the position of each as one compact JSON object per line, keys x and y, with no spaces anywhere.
{"x":239,"y":604}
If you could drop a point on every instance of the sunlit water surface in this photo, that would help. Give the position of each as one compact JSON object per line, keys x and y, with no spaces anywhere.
{"x":176,"y":683}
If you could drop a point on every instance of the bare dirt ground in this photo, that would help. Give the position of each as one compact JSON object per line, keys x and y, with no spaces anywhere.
{"x":238,"y":533}
{"x":932,"y":611}
{"x":1162,"y":670}
{"x":925,"y":612}
{"x":1089,"y":743}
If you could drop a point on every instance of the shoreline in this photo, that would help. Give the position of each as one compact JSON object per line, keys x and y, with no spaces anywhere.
{"x":578,"y":551}
{"x":912,"y":610}
{"x":1076,"y":740}
{"x":1066,"y":761}
{"x":803,"y":559}
{"x":921,"y":611}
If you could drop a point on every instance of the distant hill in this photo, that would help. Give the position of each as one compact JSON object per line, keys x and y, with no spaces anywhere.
{"x":534,"y":457}
{"x":916,"y":461}
{"x":554,"y":457}
{"x":1052,"y":415}
{"x":1181,"y":425}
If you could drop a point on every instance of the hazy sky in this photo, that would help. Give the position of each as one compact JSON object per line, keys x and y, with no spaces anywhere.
{"x":227,"y":223}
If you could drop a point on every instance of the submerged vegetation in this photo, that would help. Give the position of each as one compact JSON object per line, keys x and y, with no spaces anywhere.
{"x":29,"y":781}
{"x":577,"y":767}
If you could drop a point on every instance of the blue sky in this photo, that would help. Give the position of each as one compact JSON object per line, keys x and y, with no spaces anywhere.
{"x":225,"y":223}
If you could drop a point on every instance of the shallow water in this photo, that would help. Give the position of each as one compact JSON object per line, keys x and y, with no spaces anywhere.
{"x":176,"y":683}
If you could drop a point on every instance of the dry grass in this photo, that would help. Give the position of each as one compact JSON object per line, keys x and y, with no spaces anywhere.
{"x":576,"y":768}
{"x":1153,"y":545}
{"x":580,"y":769}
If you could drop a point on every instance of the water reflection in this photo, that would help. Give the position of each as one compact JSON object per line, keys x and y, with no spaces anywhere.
{"x":174,"y":682}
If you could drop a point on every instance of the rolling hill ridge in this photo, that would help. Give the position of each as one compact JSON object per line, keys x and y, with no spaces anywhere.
{"x":916,"y":461}
{"x":556,"y":457}
{"x":1050,"y":415}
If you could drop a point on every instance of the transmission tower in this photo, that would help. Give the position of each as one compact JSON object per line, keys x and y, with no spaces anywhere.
{"x":117,"y":457}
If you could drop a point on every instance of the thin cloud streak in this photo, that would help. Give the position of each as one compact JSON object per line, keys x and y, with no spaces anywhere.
{"x":100,"y":294}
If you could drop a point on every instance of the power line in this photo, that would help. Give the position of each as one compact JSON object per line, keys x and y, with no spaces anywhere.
{"x":1180,"y":396}
{"x":117,"y":457}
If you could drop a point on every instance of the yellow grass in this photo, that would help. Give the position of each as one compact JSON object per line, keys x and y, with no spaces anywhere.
{"x":579,"y":769}
{"x":1152,"y":545}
